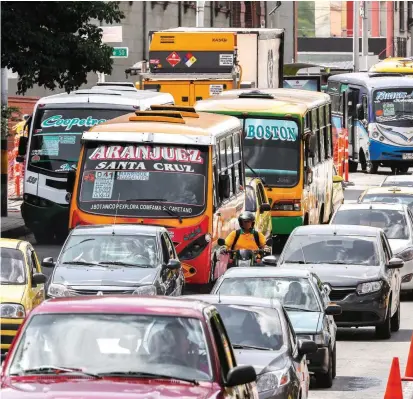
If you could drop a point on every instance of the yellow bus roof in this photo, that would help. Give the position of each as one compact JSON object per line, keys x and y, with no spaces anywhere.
{"x":394,"y":65}
{"x":173,"y":127}
{"x":284,"y":101}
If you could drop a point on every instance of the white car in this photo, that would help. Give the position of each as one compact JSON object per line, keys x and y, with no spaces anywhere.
{"x":397,"y":222}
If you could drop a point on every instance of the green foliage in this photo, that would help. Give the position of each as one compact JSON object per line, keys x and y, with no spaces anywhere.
{"x":55,"y":44}
{"x":306,"y":19}
{"x":9,"y":114}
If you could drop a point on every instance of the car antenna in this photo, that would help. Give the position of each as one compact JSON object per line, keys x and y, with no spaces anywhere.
{"x":116,"y":214}
{"x":219,"y":296}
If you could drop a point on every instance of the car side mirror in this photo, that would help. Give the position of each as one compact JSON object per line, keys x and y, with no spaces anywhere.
{"x":241,"y":375}
{"x":337,"y":179}
{"x":173,"y":264}
{"x":265,"y":207}
{"x":333,"y":310}
{"x":305,"y":347}
{"x":224,"y":186}
{"x":38,"y":278}
{"x":22,"y":146}
{"x":395,"y":263}
{"x":71,"y":178}
{"x":221,"y":242}
{"x":270,"y":260}
{"x":48,"y":262}
{"x":269,"y":242}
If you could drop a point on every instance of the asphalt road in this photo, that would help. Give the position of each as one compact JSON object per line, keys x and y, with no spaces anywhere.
{"x":363,"y":362}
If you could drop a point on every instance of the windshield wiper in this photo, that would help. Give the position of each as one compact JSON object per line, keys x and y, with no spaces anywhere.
{"x":146,"y":375}
{"x":298,"y":309}
{"x":57,"y":370}
{"x":79,"y":262}
{"x":241,"y":346}
{"x":255,"y":173}
{"x":158,"y":201}
{"x":116,"y":263}
{"x":81,"y":242}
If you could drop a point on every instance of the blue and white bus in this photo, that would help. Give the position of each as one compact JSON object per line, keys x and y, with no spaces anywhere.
{"x":377,"y":110}
{"x":53,"y":149}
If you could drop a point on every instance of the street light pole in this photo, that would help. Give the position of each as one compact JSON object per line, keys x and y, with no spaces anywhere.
{"x":200,"y":8}
{"x":365,"y":39}
{"x":4,"y":130}
{"x":356,"y":56}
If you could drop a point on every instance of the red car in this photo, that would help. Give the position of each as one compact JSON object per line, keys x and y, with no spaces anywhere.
{"x":124,"y":347}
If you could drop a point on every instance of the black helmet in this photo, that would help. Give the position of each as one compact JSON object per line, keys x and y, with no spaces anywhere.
{"x":246,"y":216}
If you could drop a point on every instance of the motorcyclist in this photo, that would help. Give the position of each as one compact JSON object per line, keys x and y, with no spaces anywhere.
{"x":246,"y":237}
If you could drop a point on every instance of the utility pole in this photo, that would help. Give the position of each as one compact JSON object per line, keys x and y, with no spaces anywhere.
{"x":4,"y":162}
{"x":365,"y":39}
{"x":200,"y":8}
{"x":356,"y":56}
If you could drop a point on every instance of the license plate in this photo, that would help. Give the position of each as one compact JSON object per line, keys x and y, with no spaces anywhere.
{"x":408,"y":155}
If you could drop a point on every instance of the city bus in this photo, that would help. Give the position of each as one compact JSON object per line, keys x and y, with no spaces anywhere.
{"x":377,"y":111}
{"x":401,"y":65}
{"x":174,"y":168}
{"x":288,"y":144}
{"x":53,"y":149}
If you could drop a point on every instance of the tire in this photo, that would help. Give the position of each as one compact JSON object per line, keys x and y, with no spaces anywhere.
{"x":44,"y":237}
{"x":399,"y":170}
{"x":383,"y":331}
{"x":372,"y":167}
{"x":325,"y":380}
{"x":334,"y":359}
{"x":352,"y":166}
{"x":404,"y":170}
{"x":395,"y":320}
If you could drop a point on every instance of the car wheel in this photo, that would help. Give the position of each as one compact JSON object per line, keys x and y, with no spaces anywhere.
{"x":325,"y":380}
{"x":383,"y":331}
{"x":395,"y":320}
{"x":334,"y":360}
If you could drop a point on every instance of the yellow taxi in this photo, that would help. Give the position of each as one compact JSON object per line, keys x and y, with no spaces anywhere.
{"x":392,"y":195}
{"x":256,"y":201}
{"x":22,"y":286}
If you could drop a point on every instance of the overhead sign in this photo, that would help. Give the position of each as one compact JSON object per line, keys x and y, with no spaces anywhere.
{"x":120,"y":52}
{"x":112,"y":34}
{"x":173,"y":59}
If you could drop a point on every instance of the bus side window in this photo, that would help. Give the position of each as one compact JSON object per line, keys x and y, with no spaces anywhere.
{"x":329,"y":138}
{"x":321,"y":132}
{"x":365,"y":108}
{"x":314,"y":128}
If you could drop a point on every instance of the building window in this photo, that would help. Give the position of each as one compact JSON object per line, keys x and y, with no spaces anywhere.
{"x":401,"y":16}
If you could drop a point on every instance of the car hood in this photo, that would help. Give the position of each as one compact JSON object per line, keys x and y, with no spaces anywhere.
{"x":305,"y":322}
{"x":263,"y":361}
{"x":398,"y":245}
{"x":12,"y":293}
{"x":340,"y":275}
{"x":72,"y":388}
{"x":103,"y":275}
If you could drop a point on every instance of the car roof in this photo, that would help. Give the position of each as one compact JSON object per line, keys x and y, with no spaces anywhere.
{"x":12,"y":244}
{"x":337,"y":229}
{"x":238,"y":300}
{"x":121,"y":229}
{"x":389,"y":189}
{"x":124,"y":304}
{"x":399,"y":178}
{"x":372,"y":80}
{"x":372,"y":206}
{"x":267,"y":271}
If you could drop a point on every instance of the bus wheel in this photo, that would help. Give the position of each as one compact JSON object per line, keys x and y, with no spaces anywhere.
{"x":372,"y":167}
{"x":43,"y":237}
{"x":399,"y":170}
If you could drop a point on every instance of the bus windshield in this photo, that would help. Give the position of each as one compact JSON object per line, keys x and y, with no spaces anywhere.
{"x":272,"y":151}
{"x":143,"y":180}
{"x":55,"y":143}
{"x":394,"y":106}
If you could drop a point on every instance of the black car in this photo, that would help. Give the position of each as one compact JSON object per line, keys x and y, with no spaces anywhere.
{"x":307,"y":304}
{"x":261,"y":334}
{"x":358,"y":265}
{"x":116,"y":259}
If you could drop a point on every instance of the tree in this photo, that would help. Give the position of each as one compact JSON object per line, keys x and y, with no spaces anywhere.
{"x":9,"y":114}
{"x":55,"y":44}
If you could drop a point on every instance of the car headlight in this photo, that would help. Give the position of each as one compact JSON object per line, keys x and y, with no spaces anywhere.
{"x":319,"y":339}
{"x":368,"y":288}
{"x":58,"y":290}
{"x":272,"y":381}
{"x":406,"y":254}
{"x":145,"y":290}
{"x":12,"y":311}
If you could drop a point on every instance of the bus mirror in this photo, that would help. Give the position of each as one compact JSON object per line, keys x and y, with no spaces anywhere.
{"x":224,"y":186}
{"x":71,"y":177}
{"x":22,"y":146}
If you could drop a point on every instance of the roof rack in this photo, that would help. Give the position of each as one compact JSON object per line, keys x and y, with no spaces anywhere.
{"x":383,"y":74}
{"x":256,"y":94}
{"x":97,"y":92}
{"x":155,"y":116}
{"x":124,"y":84}
{"x":166,"y":107}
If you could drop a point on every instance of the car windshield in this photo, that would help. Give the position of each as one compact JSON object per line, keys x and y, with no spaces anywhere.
{"x":55,"y":143}
{"x":134,"y":250}
{"x":394,"y":106}
{"x":393,"y":222}
{"x":144,"y":180}
{"x":405,"y":199}
{"x":294,"y":292}
{"x":331,"y":249}
{"x":113,"y":344}
{"x":12,"y":270}
{"x":272,"y":150}
{"x":252,"y":326}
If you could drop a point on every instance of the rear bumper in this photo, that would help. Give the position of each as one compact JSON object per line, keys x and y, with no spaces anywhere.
{"x":318,"y":362}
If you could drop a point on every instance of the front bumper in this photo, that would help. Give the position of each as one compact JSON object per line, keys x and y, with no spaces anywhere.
{"x":388,"y":154}
{"x":284,"y":392}
{"x":318,"y":362}
{"x":360,"y":310}
{"x":9,"y":328}
{"x":284,"y":225}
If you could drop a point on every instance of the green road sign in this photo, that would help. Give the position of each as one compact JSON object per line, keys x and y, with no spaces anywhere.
{"x":120,"y":52}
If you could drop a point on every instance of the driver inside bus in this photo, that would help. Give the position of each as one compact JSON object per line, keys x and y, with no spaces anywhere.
{"x":247,"y":237}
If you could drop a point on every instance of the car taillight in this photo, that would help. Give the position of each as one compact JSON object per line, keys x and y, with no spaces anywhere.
{"x":287,"y":205}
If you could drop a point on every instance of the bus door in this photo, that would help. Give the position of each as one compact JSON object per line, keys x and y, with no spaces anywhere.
{"x":351,"y":115}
